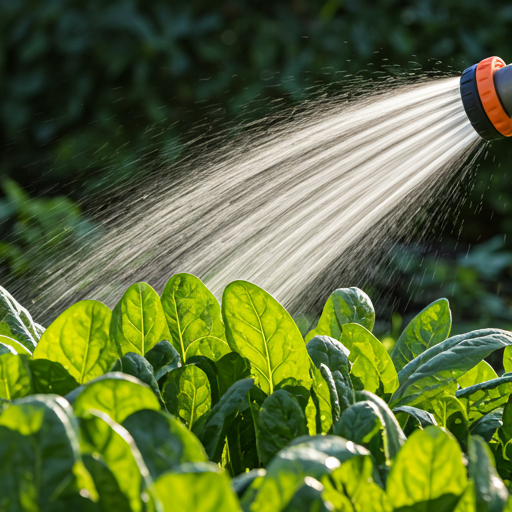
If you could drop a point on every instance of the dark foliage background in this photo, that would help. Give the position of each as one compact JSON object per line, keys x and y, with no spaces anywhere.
{"x":87,"y":87}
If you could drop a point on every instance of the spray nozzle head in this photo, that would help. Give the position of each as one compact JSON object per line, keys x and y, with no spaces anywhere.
{"x":486,"y":92}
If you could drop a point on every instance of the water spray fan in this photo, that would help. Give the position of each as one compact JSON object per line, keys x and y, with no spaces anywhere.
{"x":486,"y":92}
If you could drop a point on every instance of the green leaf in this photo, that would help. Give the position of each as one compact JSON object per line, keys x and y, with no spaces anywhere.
{"x":345,"y":305}
{"x":431,"y":326}
{"x":328,"y":351}
{"x":394,"y":434}
{"x":50,"y":377}
{"x":371,"y":364}
{"x":210,"y":368}
{"x":360,"y":422}
{"x":16,"y":345}
{"x":354,"y":480}
{"x":231,"y":368}
{"x":135,"y":365}
{"x":467,"y":502}
{"x":483,"y":398}
{"x":117,"y":395}
{"x":101,"y":436}
{"x":261,"y":330}
{"x":280,"y":420}
{"x":200,"y":486}
{"x":163,"y":355}
{"x":482,"y":372}
{"x":163,"y":441}
{"x":450,"y":413}
{"x":333,"y":394}
{"x":111,"y":497}
{"x":491,"y":493}
{"x":187,"y":394}
{"x":424,"y":418}
{"x":38,"y":452}
{"x":428,"y":467}
{"x":309,"y":498}
{"x":221,"y":418}
{"x":505,"y":431}
{"x":507,"y":359}
{"x":15,"y":377}
{"x":16,"y":322}
{"x":321,"y":398}
{"x":487,"y":425}
{"x":78,"y":339}
{"x":138,"y":321}
{"x":194,"y":319}
{"x":435,"y":372}
{"x":314,"y":457}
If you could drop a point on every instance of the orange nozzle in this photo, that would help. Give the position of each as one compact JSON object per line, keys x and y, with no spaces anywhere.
{"x":486,"y":92}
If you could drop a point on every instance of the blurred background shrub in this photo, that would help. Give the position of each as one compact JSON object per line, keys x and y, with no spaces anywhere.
{"x":91,"y":91}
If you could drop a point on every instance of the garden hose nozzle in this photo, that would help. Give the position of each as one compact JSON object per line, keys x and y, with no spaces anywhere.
{"x":486,"y":92}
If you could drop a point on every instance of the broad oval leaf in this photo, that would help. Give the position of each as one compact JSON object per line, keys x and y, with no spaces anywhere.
{"x":306,"y":456}
{"x":231,"y":368}
{"x":435,"y":372}
{"x":481,"y":399}
{"x":51,"y":377}
{"x":197,"y":486}
{"x":16,"y":322}
{"x":491,"y":492}
{"x":321,"y":401}
{"x":482,"y":372}
{"x":194,"y":318}
{"x":117,"y":395}
{"x":161,"y":355}
{"x":371,"y":364}
{"x":428,"y":328}
{"x":280,"y":420}
{"x":15,"y":377}
{"x":507,"y":359}
{"x":261,"y":330}
{"x":187,"y":395}
{"x":78,"y":339}
{"x":101,"y":436}
{"x":422,"y":418}
{"x":38,"y":452}
{"x":221,"y":418}
{"x":345,"y":305}
{"x":163,"y":441}
{"x":138,"y":321}
{"x":360,"y":422}
{"x":428,"y":466}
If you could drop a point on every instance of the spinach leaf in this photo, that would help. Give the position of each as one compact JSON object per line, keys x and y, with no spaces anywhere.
{"x":163,"y":357}
{"x":484,"y":397}
{"x":39,"y":452}
{"x":280,"y":420}
{"x":428,"y":328}
{"x":313,"y":456}
{"x":16,"y":345}
{"x":360,"y":422}
{"x":135,"y":365}
{"x":51,"y":377}
{"x":371,"y":364}
{"x":16,"y":322}
{"x":261,"y":330}
{"x":413,"y":418}
{"x":491,"y":493}
{"x":435,"y":371}
{"x":103,"y":437}
{"x":196,"y":486}
{"x":163,"y":441}
{"x":487,"y":425}
{"x":231,"y":368}
{"x":221,"y":417}
{"x":482,"y":372}
{"x":117,"y":395}
{"x":78,"y":339}
{"x":138,"y":320}
{"x":428,"y":467}
{"x":321,"y":400}
{"x":194,"y":319}
{"x":187,"y":395}
{"x":345,"y":305}
{"x":15,"y":377}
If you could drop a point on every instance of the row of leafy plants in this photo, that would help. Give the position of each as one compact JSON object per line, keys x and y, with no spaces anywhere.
{"x":174,"y":402}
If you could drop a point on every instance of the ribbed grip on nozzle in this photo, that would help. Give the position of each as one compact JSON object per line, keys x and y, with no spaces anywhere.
{"x":474,"y":108}
{"x":486,"y":92}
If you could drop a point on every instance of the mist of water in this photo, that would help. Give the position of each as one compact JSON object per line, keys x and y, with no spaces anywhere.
{"x":300,"y":212}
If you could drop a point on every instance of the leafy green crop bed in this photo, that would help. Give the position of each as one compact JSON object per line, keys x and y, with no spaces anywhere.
{"x":175,"y":403}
